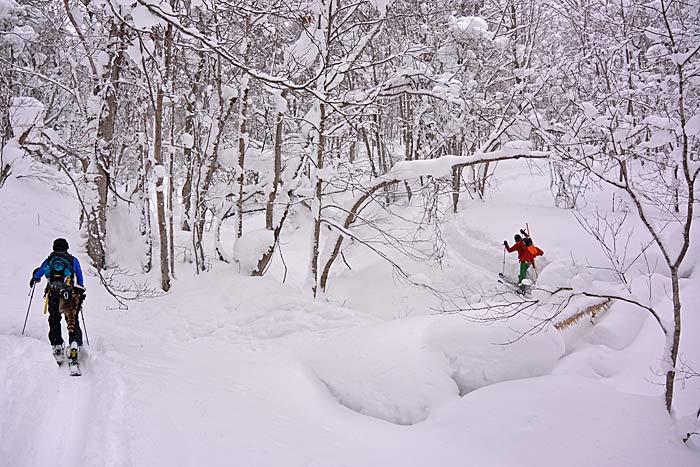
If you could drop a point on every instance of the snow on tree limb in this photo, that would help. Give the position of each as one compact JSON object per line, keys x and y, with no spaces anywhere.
{"x":442,"y":166}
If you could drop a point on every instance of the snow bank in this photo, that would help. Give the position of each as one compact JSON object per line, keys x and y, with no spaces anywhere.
{"x":401,"y":371}
{"x":557,"y":274}
{"x":385,"y":371}
{"x":12,"y":154}
{"x":620,"y":327}
{"x":563,"y":420}
{"x":250,"y":248}
{"x":26,"y":112}
{"x":481,"y":355}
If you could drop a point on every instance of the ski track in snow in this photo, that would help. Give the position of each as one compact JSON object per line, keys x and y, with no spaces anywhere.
{"x":52,"y":418}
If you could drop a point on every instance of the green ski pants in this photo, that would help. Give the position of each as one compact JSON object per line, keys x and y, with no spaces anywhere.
{"x":524,"y":265}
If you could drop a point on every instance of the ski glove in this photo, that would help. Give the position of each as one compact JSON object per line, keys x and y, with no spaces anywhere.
{"x":505,"y":242}
{"x":32,"y":281}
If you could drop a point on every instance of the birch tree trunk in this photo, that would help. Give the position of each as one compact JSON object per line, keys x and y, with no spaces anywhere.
{"x":318,"y":200}
{"x":160,"y":171}
{"x":242,"y":141}
{"x":270,"y":208}
{"x":98,"y":170}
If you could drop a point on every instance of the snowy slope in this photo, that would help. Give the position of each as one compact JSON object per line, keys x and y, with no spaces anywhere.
{"x":235,"y":371}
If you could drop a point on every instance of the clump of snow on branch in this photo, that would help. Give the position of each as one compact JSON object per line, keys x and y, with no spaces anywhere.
{"x":26,"y":112}
{"x":7,"y":7}
{"x":469,"y":26}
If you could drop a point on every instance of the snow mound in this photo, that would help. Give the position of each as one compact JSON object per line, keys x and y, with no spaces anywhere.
{"x":480,"y":355}
{"x":250,"y":247}
{"x":401,"y":371}
{"x":619,"y":328}
{"x":576,"y":416}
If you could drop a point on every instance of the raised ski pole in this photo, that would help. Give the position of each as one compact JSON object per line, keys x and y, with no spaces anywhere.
{"x":31,"y":296}
{"x":534,"y":266}
{"x":504,"y":261}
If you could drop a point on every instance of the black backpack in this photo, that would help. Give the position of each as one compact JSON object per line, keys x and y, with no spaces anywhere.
{"x":59,"y":271}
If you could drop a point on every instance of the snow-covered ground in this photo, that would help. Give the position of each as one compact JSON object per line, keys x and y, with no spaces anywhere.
{"x":227,"y":370}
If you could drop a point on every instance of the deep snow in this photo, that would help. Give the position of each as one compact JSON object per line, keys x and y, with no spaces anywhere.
{"x":237,"y":371}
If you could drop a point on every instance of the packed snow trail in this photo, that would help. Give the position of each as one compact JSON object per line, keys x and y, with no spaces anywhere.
{"x":51,"y":418}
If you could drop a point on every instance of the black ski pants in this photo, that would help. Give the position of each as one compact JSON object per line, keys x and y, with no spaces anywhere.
{"x":60,"y":306}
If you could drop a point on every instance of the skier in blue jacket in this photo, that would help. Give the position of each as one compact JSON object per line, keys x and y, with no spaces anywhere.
{"x":64,"y":294}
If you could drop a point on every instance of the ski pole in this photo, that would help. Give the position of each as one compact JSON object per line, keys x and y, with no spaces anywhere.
{"x":31,"y":296}
{"x":82,"y":316}
{"x":504,"y":261}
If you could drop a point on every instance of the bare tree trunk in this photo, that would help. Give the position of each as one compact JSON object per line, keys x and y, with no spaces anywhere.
{"x":675,"y":339}
{"x":160,"y":167}
{"x":160,"y":198}
{"x":456,"y":178}
{"x":145,"y":221}
{"x":368,"y":149}
{"x":171,"y":207}
{"x":171,"y":171}
{"x":187,"y":192}
{"x":318,"y":200}
{"x":203,"y":187}
{"x":242,"y":137}
{"x":270,"y":208}
{"x":189,"y":165}
{"x":99,"y":170}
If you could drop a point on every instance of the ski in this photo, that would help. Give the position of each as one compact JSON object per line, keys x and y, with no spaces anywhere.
{"x":74,"y":368}
{"x":73,"y":365}
{"x":59,"y":354}
{"x":520,"y":289}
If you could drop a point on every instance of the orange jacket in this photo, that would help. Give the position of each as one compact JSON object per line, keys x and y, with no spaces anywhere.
{"x":525,"y":253}
{"x":520,"y":247}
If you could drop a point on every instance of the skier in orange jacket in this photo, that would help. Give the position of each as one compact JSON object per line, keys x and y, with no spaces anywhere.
{"x":527,"y":252}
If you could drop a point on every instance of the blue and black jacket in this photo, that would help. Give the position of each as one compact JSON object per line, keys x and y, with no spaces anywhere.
{"x":77,"y":270}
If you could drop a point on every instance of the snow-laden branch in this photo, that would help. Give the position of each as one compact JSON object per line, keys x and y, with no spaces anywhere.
{"x":443,"y":166}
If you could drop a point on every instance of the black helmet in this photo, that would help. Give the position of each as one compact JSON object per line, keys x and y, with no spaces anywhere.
{"x":517,"y":237}
{"x":60,"y":244}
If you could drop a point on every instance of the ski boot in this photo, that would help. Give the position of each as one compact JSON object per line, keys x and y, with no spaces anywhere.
{"x":58,"y":354}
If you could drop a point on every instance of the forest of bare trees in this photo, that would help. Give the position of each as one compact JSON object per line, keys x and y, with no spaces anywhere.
{"x":204,"y":112}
